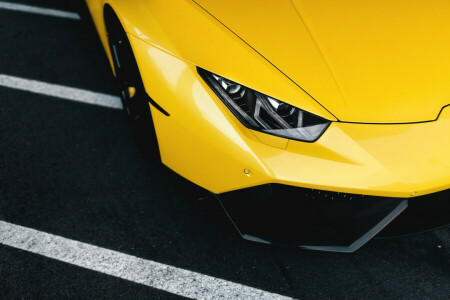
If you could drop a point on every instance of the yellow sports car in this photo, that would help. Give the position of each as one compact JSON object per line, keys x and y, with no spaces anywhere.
{"x":313,"y":122}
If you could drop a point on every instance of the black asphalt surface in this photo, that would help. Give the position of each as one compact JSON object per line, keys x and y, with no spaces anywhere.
{"x":73,"y":170}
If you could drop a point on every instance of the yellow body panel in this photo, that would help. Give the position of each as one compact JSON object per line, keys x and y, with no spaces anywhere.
{"x":366,"y":61}
{"x":204,"y":142}
{"x":184,"y":30}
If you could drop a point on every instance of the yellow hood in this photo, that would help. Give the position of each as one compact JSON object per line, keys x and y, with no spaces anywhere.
{"x":365,"y":61}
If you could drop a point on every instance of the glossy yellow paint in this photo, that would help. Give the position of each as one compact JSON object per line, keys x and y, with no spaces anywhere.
{"x":205,"y":143}
{"x":186,"y":31}
{"x":366,"y":61}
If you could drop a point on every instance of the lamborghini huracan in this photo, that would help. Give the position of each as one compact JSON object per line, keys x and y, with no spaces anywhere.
{"x":313,"y":123}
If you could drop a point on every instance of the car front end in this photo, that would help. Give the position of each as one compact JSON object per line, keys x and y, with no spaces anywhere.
{"x":283,"y":165}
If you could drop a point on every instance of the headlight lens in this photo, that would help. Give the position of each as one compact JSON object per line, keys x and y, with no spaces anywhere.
{"x":263,"y":113}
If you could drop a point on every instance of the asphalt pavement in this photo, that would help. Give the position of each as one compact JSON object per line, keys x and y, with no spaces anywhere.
{"x":72,"y":169}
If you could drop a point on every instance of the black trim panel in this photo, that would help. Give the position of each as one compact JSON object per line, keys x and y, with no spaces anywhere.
{"x":156,"y":105}
{"x":365,"y":237}
{"x":313,"y":219}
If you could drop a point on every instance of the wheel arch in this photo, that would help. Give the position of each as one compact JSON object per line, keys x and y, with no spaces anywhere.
{"x":99,"y":10}
{"x":110,"y":17}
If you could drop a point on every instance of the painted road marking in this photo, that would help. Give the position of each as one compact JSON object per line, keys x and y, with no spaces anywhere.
{"x":153,"y":274}
{"x":60,"y":91}
{"x":39,"y":10}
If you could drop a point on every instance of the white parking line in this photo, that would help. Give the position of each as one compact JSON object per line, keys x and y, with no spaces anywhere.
{"x":39,"y":10}
{"x":60,"y":91}
{"x":153,"y":274}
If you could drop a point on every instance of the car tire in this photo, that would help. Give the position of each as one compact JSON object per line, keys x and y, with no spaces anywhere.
{"x":131,"y":88}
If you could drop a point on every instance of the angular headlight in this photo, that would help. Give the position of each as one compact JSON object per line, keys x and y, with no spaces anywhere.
{"x":263,"y":113}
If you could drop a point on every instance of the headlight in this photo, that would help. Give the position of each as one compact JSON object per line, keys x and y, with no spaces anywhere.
{"x":263,"y":113}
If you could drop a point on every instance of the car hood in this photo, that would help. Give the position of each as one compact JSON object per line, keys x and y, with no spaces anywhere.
{"x":365,"y":61}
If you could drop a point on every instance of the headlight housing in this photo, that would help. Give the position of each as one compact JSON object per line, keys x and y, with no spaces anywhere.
{"x":266,"y":114}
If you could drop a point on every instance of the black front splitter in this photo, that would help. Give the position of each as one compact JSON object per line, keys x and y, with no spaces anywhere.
{"x":311,"y":219}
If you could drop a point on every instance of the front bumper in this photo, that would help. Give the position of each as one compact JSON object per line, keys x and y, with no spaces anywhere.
{"x":321,"y":220}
